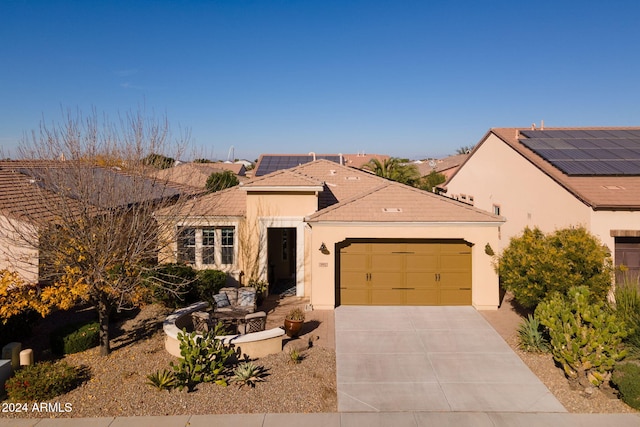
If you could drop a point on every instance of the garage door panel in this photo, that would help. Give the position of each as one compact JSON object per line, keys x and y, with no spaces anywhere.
{"x":422,"y":262}
{"x":387,"y":296}
{"x":354,"y":261}
{"x":424,"y":296}
{"x":386,"y":279}
{"x":420,"y":280}
{"x":455,"y":297}
{"x":455,"y":262}
{"x":354,"y":296}
{"x":386,"y":262}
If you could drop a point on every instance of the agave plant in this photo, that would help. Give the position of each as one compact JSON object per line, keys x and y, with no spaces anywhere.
{"x":531,"y":336}
{"x":162,"y":380}
{"x":247,"y":373}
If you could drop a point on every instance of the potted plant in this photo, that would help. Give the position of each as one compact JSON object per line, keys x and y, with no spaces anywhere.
{"x":293,"y":322}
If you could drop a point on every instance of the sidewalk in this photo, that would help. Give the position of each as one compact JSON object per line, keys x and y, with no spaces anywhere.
{"x":395,"y":419}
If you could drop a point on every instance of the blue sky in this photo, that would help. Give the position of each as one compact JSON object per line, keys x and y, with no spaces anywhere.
{"x":406,"y":78}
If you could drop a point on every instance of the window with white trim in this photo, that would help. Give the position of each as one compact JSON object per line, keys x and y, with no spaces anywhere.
{"x":227,"y":246}
{"x":209,"y":245}
{"x":206,"y":246}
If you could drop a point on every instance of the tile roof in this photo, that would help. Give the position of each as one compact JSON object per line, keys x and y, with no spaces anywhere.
{"x":348,"y":194}
{"x":393,"y":202}
{"x":30,"y":190}
{"x":195,"y":174}
{"x":282,"y":178}
{"x":231,"y":202}
{"x":441,"y":165}
{"x":599,"y":192}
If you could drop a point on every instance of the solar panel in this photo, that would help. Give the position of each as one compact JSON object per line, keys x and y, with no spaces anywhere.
{"x":587,"y":152}
{"x":275,"y":163}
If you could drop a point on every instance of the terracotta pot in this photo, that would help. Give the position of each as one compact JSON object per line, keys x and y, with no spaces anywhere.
{"x":293,"y":327}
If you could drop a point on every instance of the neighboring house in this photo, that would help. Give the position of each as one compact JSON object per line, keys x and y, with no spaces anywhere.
{"x":343,"y":236}
{"x":30,"y":203}
{"x":268,"y":163}
{"x":556,"y":178}
{"x":446,"y":166}
{"x":196,"y":174}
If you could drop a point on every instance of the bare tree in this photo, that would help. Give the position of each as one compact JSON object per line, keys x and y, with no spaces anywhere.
{"x":87,"y":211}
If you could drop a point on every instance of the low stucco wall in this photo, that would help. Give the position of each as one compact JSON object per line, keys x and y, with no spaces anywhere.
{"x":253,"y":345}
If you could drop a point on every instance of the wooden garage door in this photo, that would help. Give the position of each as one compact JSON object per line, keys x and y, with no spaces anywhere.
{"x":405,"y":274}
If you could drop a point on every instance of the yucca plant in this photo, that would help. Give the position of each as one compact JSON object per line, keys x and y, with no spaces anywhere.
{"x":531,"y":337}
{"x":162,"y":380}
{"x":247,"y":373}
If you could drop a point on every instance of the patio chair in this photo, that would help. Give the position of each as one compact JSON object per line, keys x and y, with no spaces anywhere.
{"x":201,"y":321}
{"x":253,"y":322}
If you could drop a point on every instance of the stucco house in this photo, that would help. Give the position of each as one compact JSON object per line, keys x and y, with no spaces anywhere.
{"x":343,"y":236}
{"x":36,"y":196}
{"x":556,"y":178}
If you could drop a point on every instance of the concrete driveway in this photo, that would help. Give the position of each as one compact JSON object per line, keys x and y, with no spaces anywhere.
{"x":430,"y":359}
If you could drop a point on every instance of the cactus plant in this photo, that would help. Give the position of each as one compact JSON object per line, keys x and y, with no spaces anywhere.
{"x":586,"y":338}
{"x":203,"y":360}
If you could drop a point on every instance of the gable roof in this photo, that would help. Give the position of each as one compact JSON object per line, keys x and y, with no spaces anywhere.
{"x":231,"y":202}
{"x":598,"y":191}
{"x":393,"y":202}
{"x":283,"y":180}
{"x":196,"y":174}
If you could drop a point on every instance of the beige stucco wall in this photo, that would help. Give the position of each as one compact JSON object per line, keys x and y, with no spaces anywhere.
{"x":497,"y":175}
{"x":602,"y":222}
{"x":289,"y":204}
{"x":17,"y":252}
{"x":323,"y":267}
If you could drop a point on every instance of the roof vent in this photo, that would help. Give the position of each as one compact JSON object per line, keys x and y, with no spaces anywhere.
{"x":352,"y":178}
{"x":613,"y":187}
{"x":332,"y":172}
{"x":391,"y":210}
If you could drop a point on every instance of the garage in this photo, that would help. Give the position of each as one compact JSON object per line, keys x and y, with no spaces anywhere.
{"x":408,"y":272}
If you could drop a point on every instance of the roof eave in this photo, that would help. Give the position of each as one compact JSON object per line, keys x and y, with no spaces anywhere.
{"x":283,"y":188}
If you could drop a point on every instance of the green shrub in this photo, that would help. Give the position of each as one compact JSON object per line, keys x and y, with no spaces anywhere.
{"x":585,"y":337}
{"x":626,"y":378}
{"x":531,"y":336}
{"x":209,"y":283}
{"x":173,"y":285}
{"x":44,"y":381}
{"x":75,"y":338}
{"x":535,"y":265}
{"x":203,"y":359}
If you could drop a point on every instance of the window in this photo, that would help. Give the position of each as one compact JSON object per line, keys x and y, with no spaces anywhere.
{"x":187,"y":245}
{"x":208,"y":245}
{"x":496,"y":209}
{"x":227,"y":245}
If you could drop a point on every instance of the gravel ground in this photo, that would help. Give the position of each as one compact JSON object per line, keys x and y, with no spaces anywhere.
{"x":506,"y":321}
{"x":118,"y":382}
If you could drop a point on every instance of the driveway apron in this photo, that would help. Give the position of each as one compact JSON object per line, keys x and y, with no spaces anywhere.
{"x":430,"y":359}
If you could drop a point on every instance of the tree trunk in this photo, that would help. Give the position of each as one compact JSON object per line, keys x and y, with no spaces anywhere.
{"x":103,"y":318}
